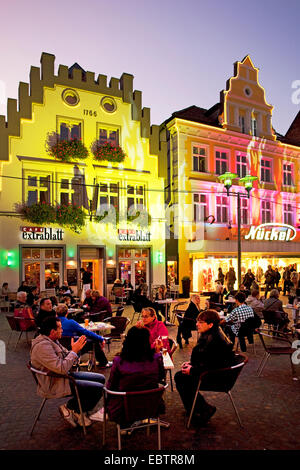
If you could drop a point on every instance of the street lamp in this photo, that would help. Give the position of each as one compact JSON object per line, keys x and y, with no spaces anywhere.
{"x":247,"y":180}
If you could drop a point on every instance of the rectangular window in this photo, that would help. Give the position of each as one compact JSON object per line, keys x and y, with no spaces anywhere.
{"x":241,"y":165}
{"x":70,"y":190}
{"x":110,"y":135}
{"x":288,"y":213}
{"x":222,"y":209}
{"x":200,"y":207}
{"x":245,"y":213}
{"x":266,"y":212}
{"x":199,"y":158}
{"x":69,"y":130}
{"x":266,"y":170}
{"x":109,"y":195}
{"x":135,"y":196}
{"x":221,"y":162}
{"x":288,"y":174}
{"x":37,"y":189}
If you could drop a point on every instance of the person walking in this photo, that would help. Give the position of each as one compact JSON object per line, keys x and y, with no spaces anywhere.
{"x":286,"y":280}
{"x":230,"y":279}
{"x":269,"y":280}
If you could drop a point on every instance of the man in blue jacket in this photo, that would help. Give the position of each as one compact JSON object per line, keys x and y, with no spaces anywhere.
{"x":72,"y":328}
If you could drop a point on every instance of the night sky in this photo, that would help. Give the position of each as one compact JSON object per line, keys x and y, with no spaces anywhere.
{"x":180,"y":52}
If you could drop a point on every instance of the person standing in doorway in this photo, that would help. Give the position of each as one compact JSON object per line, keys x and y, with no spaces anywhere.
{"x":86,"y":279}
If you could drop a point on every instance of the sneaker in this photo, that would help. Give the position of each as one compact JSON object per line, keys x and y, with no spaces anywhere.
{"x":68,"y":415}
{"x":109,"y":364}
{"x":167,"y":323}
{"x":98,"y":416}
{"x":78,"y":418}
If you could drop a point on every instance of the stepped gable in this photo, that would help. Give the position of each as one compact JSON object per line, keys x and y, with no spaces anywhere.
{"x":74,"y":77}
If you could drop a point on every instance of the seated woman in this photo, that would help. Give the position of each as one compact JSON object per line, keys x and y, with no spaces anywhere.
{"x":137,"y":367}
{"x":157,"y":329}
{"x":273,"y":307}
{"x":213,"y":351}
{"x":189,"y":320}
{"x":128,"y":291}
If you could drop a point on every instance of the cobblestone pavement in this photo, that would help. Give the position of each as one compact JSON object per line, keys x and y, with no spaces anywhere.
{"x":268,"y":406}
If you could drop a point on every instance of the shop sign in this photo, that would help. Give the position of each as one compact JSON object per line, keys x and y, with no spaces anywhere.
{"x":272,"y":232}
{"x":134,"y":235}
{"x":41,"y":233}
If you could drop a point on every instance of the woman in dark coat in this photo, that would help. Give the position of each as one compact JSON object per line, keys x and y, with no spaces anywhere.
{"x":213,"y":351}
{"x":189,"y":320}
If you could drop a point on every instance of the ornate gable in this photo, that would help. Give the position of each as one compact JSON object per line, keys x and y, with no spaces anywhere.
{"x":245,"y":108}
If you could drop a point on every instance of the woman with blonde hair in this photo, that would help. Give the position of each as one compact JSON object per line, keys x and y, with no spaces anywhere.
{"x":157,"y":329}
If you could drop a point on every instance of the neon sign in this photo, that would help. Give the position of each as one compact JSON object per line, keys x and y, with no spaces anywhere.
{"x":272,"y":232}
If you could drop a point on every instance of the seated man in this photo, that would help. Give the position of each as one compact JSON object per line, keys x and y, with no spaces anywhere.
{"x":100,"y":303}
{"x":273,"y":308}
{"x":72,"y":328}
{"x":23,"y":310}
{"x":46,"y":310}
{"x":234,"y":320}
{"x":47,"y":354}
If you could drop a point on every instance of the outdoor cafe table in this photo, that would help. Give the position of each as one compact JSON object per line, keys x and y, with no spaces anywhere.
{"x":167,"y":302}
{"x":98,"y":326}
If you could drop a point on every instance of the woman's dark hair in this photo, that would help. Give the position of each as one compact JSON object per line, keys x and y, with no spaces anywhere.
{"x":209,"y":316}
{"x":48,"y":324}
{"x":136,"y":346}
{"x":5,"y":284}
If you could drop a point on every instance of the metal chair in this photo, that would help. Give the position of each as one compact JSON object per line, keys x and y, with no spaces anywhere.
{"x":19,"y":324}
{"x":97,"y":316}
{"x":178,"y":310}
{"x":139,"y":406}
{"x":116,"y":334}
{"x":136,"y":311}
{"x":119,"y":311}
{"x":248,"y":330}
{"x":36,"y":373}
{"x":119,"y":293}
{"x":173,"y":347}
{"x":220,"y":380}
{"x":272,"y":337}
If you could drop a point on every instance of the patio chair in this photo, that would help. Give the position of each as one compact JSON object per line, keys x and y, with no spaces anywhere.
{"x":97,"y":316}
{"x":21,"y":325}
{"x":139,"y":408}
{"x":220,"y":380}
{"x":270,"y":339}
{"x":36,"y":373}
{"x":173,"y":348}
{"x":117,"y":333}
{"x":178,"y":310}
{"x":136,"y":310}
{"x":119,"y":293}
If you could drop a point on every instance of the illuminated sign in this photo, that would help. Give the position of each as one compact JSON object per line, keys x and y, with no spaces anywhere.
{"x":134,"y":235}
{"x":41,"y":233}
{"x":272,"y":232}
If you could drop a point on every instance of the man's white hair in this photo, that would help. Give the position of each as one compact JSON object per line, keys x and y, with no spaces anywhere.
{"x":21,"y":294}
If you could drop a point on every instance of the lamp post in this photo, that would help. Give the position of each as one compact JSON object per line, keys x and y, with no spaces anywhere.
{"x":247,"y":181}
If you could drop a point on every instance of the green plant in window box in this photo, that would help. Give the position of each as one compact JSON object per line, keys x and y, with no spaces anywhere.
{"x":71,"y":216}
{"x":39,"y":213}
{"x":108,"y":217}
{"x":66,"y":150}
{"x":142,"y":219}
{"x":107,"y":152}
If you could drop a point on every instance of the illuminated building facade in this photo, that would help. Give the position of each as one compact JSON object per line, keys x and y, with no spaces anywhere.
{"x":235,"y":135}
{"x":122,"y":198}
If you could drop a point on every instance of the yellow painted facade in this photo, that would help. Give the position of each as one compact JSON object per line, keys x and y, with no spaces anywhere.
{"x":41,"y":110}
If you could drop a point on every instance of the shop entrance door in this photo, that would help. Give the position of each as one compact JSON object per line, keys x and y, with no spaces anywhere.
{"x":134,"y":265}
{"x":91,"y":259}
{"x":42,"y":267}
